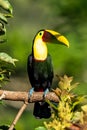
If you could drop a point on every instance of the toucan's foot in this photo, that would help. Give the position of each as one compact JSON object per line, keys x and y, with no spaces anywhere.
{"x":30,"y":93}
{"x":45,"y":92}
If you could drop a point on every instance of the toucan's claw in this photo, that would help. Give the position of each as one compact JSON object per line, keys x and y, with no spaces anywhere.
{"x":30,"y":93}
{"x":45,"y":92}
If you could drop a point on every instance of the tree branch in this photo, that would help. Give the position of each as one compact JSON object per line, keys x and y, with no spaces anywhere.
{"x":23,"y":96}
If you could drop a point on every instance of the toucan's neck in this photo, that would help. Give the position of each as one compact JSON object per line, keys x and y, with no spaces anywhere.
{"x":39,"y":50}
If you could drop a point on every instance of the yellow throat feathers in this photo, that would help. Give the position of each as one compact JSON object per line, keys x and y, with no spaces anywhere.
{"x":40,"y":49}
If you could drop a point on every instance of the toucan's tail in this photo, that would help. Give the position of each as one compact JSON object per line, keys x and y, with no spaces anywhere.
{"x":41,"y":110}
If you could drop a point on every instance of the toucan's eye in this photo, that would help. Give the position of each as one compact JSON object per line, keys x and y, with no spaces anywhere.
{"x":40,"y":33}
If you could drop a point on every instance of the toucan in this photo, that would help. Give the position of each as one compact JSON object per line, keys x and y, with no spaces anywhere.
{"x":40,"y":68}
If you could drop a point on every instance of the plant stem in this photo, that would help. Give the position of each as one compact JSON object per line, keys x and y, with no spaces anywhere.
{"x":18,"y":115}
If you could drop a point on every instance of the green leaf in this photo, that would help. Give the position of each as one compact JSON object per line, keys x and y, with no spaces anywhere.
{"x":5,"y":57}
{"x":52,"y":105}
{"x":3,"y":40}
{"x":77,"y":116}
{"x":3,"y":18}
{"x":8,"y":15}
{"x":1,"y":77}
{"x":40,"y":128}
{"x":2,"y":29}
{"x":84,"y":108}
{"x":6,"y":5}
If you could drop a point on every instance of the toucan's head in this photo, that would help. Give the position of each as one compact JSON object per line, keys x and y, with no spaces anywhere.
{"x":43,"y":37}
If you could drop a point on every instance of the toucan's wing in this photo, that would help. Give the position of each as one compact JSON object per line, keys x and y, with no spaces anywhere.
{"x":30,"y":68}
{"x":50,"y":68}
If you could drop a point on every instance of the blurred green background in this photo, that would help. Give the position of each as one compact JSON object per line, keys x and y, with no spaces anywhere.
{"x":67,"y":17}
